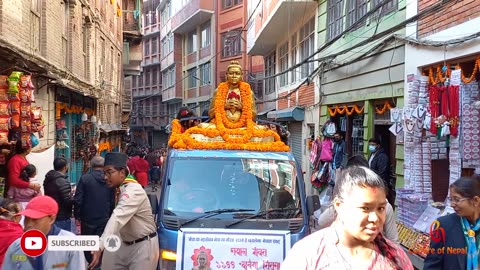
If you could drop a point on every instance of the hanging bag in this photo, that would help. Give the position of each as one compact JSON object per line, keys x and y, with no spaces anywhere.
{"x":326,"y":154}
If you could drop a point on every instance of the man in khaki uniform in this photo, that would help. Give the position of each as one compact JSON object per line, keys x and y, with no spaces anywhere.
{"x":132,"y":220}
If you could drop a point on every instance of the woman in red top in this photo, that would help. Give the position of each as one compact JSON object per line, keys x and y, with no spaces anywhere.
{"x":10,"y":229}
{"x":15,"y":166}
{"x":139,"y":168}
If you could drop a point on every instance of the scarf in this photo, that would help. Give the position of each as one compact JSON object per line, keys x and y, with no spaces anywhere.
{"x":130,"y":179}
{"x":472,"y":255}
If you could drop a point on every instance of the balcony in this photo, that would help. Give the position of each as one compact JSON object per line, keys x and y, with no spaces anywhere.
{"x":193,"y":14}
{"x":132,"y":58}
{"x":286,"y":15}
{"x":132,"y":27}
{"x":172,"y":94}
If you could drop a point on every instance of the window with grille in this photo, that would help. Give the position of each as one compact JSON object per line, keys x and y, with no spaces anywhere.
{"x":206,"y":34}
{"x":357,"y":135}
{"x":154,"y":45}
{"x":270,"y":71}
{"x":293,"y":54}
{"x":192,"y":78}
{"x":147,"y":77}
{"x":356,"y":9}
{"x":205,"y":71}
{"x":154,"y":76}
{"x":147,"y":46}
{"x":307,"y":46}
{"x":388,"y":7}
{"x":232,"y":44}
{"x":335,"y":16}
{"x":192,"y":42}
{"x":230,"y":3}
{"x":283,"y":59}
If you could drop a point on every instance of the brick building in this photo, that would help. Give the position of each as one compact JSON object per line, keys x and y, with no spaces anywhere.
{"x":73,"y":51}
{"x":285,"y":97}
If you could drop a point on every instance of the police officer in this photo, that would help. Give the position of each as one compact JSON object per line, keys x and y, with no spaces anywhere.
{"x":131,"y":220}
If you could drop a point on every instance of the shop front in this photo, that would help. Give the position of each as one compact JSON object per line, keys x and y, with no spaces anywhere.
{"x":292,"y":118}
{"x":441,"y":127}
{"x":77,"y":133}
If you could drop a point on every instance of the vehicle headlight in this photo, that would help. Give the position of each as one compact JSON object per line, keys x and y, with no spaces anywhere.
{"x":168,"y":255}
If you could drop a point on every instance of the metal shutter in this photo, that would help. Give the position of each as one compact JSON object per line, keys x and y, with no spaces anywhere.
{"x":295,"y":129}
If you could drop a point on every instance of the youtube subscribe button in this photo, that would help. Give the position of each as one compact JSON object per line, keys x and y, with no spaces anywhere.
{"x":74,"y":242}
{"x":34,"y":243}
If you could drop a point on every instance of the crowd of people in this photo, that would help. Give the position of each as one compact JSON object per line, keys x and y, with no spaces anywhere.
{"x":107,"y":201}
{"x":358,"y":230}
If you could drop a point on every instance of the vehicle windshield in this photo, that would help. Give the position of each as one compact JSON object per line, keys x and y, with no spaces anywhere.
{"x":200,"y":185}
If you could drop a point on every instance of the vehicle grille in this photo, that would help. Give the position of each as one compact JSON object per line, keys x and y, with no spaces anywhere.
{"x":295,"y":225}
{"x":171,"y":223}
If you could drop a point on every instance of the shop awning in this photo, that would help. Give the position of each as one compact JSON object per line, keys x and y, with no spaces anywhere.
{"x":290,"y":114}
{"x":110,"y":127}
{"x":263,"y":114}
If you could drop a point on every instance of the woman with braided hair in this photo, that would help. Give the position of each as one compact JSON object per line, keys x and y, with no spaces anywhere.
{"x":10,"y":229}
{"x":354,"y":240}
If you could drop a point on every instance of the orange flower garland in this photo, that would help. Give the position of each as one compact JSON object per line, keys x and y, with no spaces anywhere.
{"x":344,"y":109}
{"x":439,"y":78}
{"x":386,"y":106}
{"x":221,"y":99}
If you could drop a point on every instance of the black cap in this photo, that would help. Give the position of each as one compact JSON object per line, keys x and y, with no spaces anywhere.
{"x":116,"y":160}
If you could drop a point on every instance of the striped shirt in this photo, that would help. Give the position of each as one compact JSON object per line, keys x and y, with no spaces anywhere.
{"x":319,"y":251}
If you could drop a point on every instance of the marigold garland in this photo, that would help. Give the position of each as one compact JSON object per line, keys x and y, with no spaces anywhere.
{"x":184,"y":140}
{"x":439,"y":78}
{"x":221,"y":99}
{"x":386,"y":106}
{"x":344,"y":109}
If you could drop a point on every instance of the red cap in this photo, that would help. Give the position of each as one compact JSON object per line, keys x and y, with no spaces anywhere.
{"x":39,"y":207}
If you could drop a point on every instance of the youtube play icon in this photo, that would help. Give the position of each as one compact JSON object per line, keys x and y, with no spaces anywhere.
{"x":33,"y":243}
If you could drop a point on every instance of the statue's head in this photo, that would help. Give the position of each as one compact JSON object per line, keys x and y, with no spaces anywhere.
{"x":234,"y":72}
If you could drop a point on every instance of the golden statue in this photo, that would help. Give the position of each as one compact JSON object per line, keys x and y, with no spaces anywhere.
{"x":234,"y":91}
{"x":232,"y":121}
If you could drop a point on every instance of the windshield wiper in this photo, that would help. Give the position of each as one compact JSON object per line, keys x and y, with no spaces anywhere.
{"x":259,"y":214}
{"x":212,"y":213}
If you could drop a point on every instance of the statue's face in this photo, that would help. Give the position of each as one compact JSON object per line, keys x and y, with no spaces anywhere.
{"x":234,"y":75}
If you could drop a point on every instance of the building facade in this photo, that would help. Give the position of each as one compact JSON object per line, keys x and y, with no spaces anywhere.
{"x":364,"y":72}
{"x":148,"y":111}
{"x":73,"y":51}
{"x":290,"y":95}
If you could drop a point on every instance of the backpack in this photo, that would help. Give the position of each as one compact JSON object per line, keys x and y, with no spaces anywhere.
{"x":329,"y":129}
{"x":326,"y":153}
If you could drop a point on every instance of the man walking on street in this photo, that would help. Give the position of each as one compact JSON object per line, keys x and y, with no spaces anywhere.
{"x":380,"y":164}
{"x":131,"y":220}
{"x":58,"y":187}
{"x":40,"y":215}
{"x":94,"y":201}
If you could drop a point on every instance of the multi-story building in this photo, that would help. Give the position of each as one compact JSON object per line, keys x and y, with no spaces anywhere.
{"x":73,"y":51}
{"x":363,"y":73}
{"x":132,"y":53}
{"x":212,"y":35}
{"x":148,"y":112}
{"x":283,"y":33}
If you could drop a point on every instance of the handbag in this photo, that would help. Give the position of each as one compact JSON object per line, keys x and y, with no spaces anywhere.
{"x":326,"y":152}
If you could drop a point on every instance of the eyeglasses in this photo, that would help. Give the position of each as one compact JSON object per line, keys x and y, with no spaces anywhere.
{"x":109,"y":173}
{"x":456,"y":200}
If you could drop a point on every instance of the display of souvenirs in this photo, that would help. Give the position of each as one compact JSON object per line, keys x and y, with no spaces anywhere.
{"x":470,"y":125}
{"x":415,"y":242}
{"x":17,"y":115}
{"x":411,"y":205}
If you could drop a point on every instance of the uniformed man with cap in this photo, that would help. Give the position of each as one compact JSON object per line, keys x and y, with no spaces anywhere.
{"x":132,"y":220}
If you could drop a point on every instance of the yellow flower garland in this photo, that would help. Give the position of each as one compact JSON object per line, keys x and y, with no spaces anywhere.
{"x":221,"y":99}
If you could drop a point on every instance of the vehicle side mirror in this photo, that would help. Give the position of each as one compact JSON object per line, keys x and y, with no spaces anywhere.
{"x":313,"y":204}
{"x":152,"y":197}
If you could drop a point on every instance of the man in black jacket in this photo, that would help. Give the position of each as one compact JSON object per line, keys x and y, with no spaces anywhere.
{"x":58,"y":187}
{"x":380,"y":164}
{"x":94,"y":201}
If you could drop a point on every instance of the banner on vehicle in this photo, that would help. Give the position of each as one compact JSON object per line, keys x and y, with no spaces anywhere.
{"x":231,"y":249}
